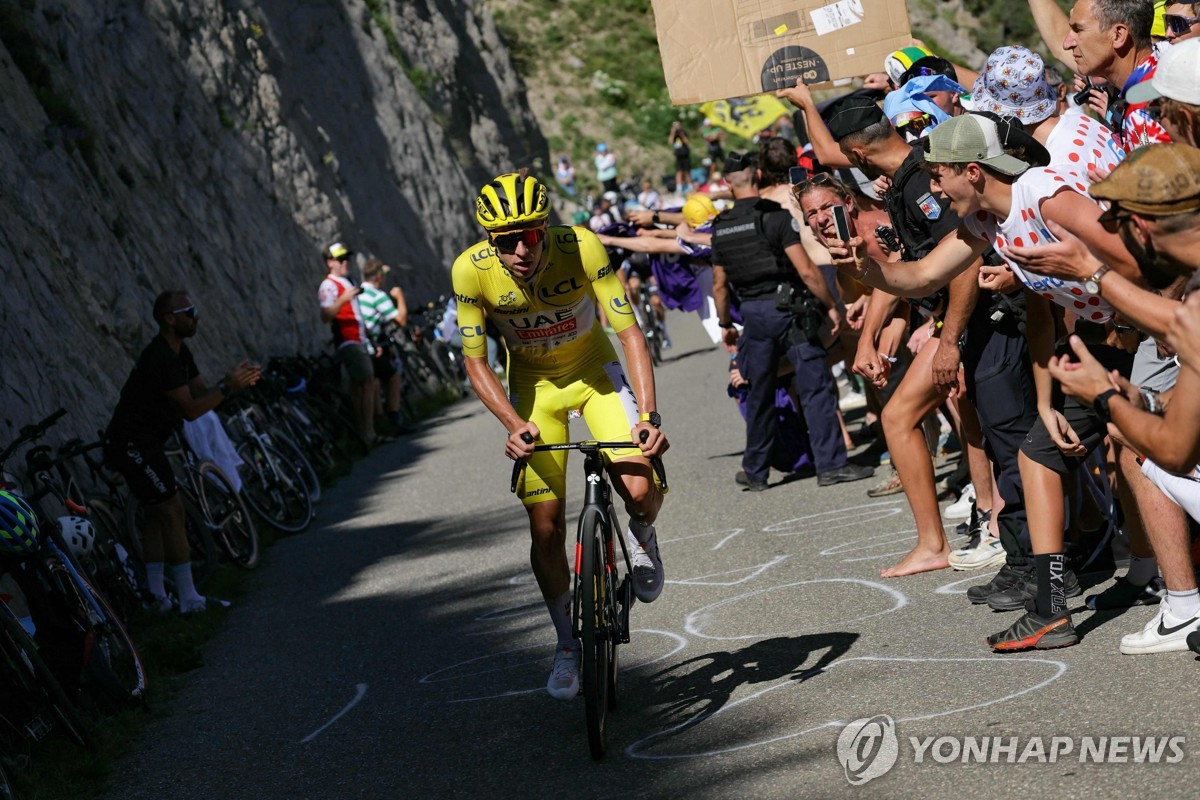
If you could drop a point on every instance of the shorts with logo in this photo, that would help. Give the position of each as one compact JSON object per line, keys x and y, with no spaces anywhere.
{"x":145,"y":468}
{"x":357,"y":362}
{"x":599,"y":391}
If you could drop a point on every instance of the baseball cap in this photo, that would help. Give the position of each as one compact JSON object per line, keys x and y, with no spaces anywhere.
{"x":1177,"y":76}
{"x":899,"y":61}
{"x":929,"y":65}
{"x":1157,"y":180}
{"x":600,"y":148}
{"x":1013,"y":84}
{"x":336,"y":250}
{"x":972,"y":138}
{"x":852,"y":115}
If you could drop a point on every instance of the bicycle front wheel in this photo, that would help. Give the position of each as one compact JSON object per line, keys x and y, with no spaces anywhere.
{"x":593,"y":608}
{"x":114,"y":663}
{"x":36,"y":681}
{"x":273,"y":486}
{"x":232,"y":527}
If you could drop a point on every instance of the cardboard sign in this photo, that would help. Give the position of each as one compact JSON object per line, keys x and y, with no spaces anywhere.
{"x":717,"y":49}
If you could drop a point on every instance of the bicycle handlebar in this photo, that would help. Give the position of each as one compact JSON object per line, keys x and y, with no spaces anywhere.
{"x":586,"y":447}
{"x":30,"y":433}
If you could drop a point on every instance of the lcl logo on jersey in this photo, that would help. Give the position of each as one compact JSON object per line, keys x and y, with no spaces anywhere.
{"x":621,"y":305}
{"x":552,"y":293}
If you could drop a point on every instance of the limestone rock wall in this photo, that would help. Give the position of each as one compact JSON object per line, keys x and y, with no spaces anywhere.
{"x":216,"y":145}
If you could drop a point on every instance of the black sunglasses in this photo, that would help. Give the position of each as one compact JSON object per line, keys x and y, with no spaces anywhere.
{"x":187,"y":311}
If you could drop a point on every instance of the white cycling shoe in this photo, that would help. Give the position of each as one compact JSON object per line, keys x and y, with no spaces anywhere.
{"x":564,"y":678}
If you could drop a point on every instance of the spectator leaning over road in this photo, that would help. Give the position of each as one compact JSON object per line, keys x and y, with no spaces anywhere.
{"x":787,"y":310}
{"x":1156,"y":204}
{"x":1107,"y":39}
{"x":164,"y":389}
{"x":560,"y":360}
{"x":338,"y":299}
{"x":920,"y":220}
{"x":1003,"y":195}
{"x":379,"y":312}
{"x":606,"y":168}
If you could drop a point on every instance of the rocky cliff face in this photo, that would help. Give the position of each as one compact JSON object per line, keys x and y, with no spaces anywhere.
{"x":216,"y":145}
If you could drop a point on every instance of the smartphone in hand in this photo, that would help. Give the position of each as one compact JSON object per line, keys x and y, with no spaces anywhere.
{"x":841,"y":222}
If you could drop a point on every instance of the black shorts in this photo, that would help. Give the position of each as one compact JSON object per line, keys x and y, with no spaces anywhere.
{"x":1083,"y":420}
{"x":683,"y":161}
{"x":145,"y":468}
{"x":384,"y":365}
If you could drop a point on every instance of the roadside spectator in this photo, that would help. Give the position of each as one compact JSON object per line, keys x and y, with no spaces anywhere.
{"x":338,"y":299}
{"x":564,"y":173}
{"x":713,"y":143}
{"x":379,"y":312}
{"x":1181,"y":21}
{"x":164,"y":389}
{"x":683,"y":157}
{"x":648,"y":198}
{"x":606,"y":168}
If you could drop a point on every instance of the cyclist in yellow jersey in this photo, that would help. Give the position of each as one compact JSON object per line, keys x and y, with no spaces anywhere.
{"x":540,"y":285}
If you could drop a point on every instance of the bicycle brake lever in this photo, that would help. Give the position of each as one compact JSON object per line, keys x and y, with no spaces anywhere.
{"x":656,"y":464}
{"x":519,"y":464}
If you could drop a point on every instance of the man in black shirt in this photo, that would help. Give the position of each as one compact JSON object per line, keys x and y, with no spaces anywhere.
{"x":164,"y":389}
{"x":757,"y":251}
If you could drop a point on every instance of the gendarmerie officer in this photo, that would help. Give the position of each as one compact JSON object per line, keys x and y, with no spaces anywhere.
{"x":786,"y":307}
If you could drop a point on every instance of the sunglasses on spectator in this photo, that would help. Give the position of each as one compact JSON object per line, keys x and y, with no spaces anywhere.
{"x":1178,"y":25}
{"x":919,"y":72}
{"x":913,"y":124}
{"x":507,"y":242}
{"x":187,"y":311}
{"x":816,"y":180}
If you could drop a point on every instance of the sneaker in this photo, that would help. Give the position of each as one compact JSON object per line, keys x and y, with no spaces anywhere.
{"x":159,"y":605}
{"x":961,"y":509}
{"x":890,"y":485}
{"x":202,"y":604}
{"x":852,"y":401}
{"x":647,"y":567}
{"x":846,"y":474}
{"x":666,"y":341}
{"x":988,"y":552}
{"x":1162,"y":634}
{"x":1035,"y":632}
{"x":1007,"y":577}
{"x":1124,"y":594}
{"x":1016,"y":598}
{"x":742,"y":479}
{"x":564,"y":678}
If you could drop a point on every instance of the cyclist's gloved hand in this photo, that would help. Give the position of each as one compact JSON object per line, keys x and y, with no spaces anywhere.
{"x":655,"y":443}
{"x":517,"y":446}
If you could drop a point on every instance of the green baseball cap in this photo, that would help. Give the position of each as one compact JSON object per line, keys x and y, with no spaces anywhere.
{"x":971,"y":138}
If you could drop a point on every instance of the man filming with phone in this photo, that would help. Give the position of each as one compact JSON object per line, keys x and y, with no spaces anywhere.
{"x":786,"y":307}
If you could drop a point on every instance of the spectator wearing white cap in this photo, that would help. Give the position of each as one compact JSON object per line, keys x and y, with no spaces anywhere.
{"x":1174,"y":92}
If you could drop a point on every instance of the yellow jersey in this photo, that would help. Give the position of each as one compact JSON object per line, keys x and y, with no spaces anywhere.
{"x":549,"y":325}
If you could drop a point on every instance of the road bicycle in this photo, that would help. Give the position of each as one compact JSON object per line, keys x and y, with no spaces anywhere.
{"x":652,"y":327}
{"x":602,"y":596}
{"x":272,"y":484}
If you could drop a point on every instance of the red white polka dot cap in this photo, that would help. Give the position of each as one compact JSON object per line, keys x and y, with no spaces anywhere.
{"x":1013,"y":84}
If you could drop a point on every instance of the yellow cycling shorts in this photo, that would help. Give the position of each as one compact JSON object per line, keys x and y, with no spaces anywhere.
{"x":605,"y":398}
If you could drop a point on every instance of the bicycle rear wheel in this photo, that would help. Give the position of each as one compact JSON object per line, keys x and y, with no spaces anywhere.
{"x":232,"y":527}
{"x":593,"y":586}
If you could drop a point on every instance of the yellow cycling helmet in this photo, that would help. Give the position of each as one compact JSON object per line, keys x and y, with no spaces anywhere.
{"x":512,"y":200}
{"x":698,"y":210}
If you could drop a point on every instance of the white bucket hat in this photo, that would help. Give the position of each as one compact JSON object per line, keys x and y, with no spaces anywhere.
{"x":1013,"y":84}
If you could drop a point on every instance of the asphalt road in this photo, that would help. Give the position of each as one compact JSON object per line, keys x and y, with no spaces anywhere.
{"x":398,"y":649}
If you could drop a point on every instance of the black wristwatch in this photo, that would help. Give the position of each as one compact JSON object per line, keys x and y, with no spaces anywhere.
{"x":652,"y":417}
{"x":223,"y":387}
{"x":1100,"y":404}
{"x":654,"y":217}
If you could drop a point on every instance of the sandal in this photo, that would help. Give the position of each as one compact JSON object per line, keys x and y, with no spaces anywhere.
{"x":890,"y":486}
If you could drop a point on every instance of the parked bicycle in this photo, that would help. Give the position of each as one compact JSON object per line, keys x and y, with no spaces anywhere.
{"x":602,"y":595}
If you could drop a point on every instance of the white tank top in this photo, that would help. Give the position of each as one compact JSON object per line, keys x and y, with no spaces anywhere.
{"x":1025,"y":227}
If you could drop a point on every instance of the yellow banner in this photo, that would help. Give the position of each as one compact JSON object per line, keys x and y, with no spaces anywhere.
{"x":745,"y":116}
